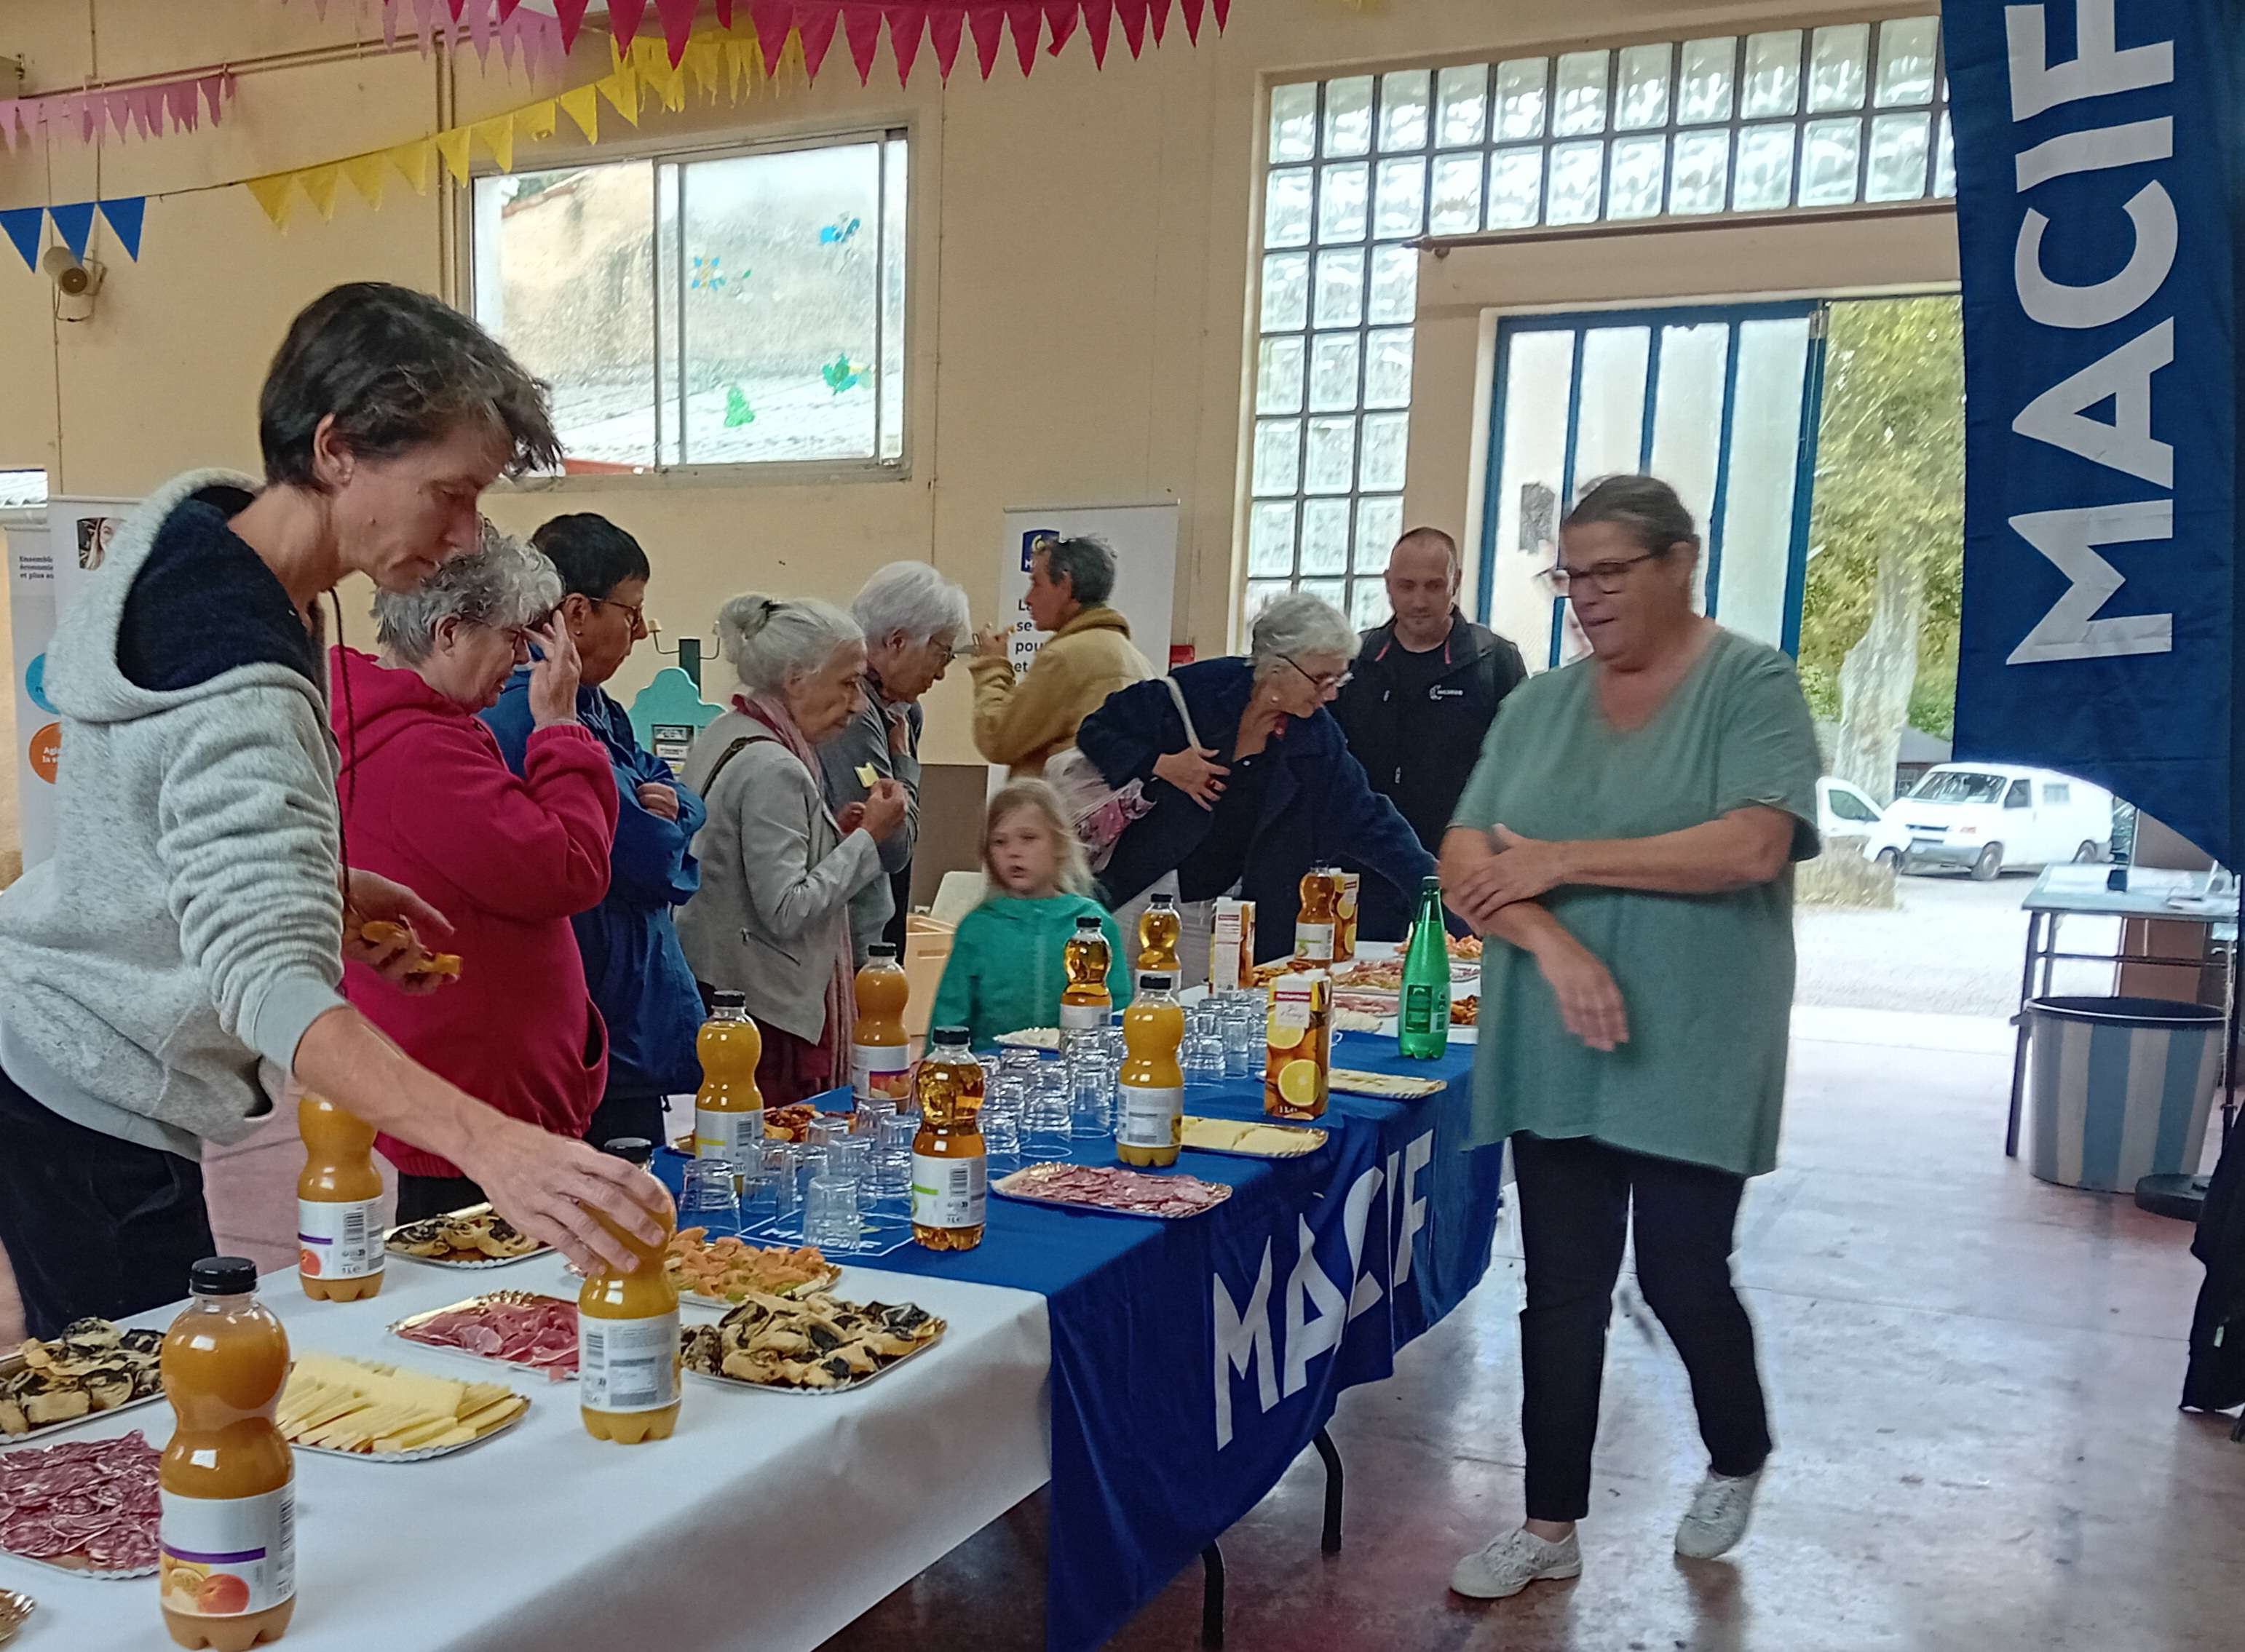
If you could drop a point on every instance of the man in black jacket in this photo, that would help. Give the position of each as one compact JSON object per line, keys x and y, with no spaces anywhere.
{"x":1426,"y":685}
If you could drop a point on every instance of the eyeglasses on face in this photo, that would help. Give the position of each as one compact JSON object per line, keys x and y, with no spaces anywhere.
{"x":637,"y":611}
{"x":1323,"y":681}
{"x":1604,"y":577}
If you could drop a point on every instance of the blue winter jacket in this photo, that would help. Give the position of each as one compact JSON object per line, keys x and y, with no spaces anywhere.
{"x":633,"y":964}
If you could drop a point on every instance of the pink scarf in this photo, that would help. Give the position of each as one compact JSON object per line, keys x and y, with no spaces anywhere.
{"x":841,"y":988}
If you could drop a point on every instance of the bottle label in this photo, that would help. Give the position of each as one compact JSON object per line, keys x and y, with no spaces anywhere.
{"x":1083,"y":1018}
{"x":879,"y":1072}
{"x":730,"y":1136}
{"x":1425,"y":1008}
{"x":339,"y":1239}
{"x":226,"y":1556}
{"x":627,"y":1365}
{"x":1149,"y":1116}
{"x":949,"y":1193}
{"x":1315,"y":942}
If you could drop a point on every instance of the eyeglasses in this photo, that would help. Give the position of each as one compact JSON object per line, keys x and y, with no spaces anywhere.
{"x":636,"y":610}
{"x":1324,"y":681}
{"x":1606,"y":577}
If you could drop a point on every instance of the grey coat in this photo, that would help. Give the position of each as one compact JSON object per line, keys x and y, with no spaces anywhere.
{"x":776,"y":877}
{"x":864,"y":743}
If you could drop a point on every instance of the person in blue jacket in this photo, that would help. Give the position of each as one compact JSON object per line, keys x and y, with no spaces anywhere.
{"x":1272,"y":792}
{"x":633,"y":964}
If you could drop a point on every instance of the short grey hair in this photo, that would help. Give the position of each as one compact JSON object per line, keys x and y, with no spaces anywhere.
{"x":1295,"y":625}
{"x":502,"y":585}
{"x":1089,"y":565}
{"x":1645,"y":506}
{"x":911,"y":598}
{"x":771,"y":640}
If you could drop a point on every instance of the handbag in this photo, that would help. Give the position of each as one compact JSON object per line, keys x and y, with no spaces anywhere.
{"x":1100,"y":813}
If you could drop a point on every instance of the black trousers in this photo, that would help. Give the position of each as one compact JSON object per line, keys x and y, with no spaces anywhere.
{"x":624,"y":1114}
{"x":92,"y":1224}
{"x":421,"y":1197}
{"x":1576,"y":1199}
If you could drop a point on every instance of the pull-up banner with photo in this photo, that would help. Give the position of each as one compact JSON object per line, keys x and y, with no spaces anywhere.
{"x":2098,"y":177}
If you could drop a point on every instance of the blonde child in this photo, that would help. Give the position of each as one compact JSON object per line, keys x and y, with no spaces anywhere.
{"x":1007,"y":963}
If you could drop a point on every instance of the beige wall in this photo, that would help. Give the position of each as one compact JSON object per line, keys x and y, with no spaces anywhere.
{"x":1081,"y":265}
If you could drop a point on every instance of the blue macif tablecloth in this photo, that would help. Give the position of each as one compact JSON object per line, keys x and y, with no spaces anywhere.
{"x":1194,"y":1360}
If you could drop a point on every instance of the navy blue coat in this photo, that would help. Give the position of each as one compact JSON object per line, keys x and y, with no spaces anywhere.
{"x":1319,"y":808}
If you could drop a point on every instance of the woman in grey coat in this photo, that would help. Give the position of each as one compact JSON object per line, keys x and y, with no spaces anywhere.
{"x":778,"y":867}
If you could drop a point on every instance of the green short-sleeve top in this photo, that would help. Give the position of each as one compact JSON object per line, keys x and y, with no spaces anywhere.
{"x":1706,"y":980}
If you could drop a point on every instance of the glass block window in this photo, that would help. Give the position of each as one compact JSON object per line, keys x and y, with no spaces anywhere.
{"x":1774,"y":121}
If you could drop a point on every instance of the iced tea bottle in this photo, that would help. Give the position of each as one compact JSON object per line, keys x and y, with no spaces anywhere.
{"x":879,"y":1073}
{"x":227,"y":1560}
{"x":950,"y":1164}
{"x":628,"y":1358}
{"x":1151,"y":1084}
{"x":339,"y":1253}
{"x":1085,"y":1002}
{"x":728,"y":1109}
{"x":1313,"y":927}
{"x":1158,"y":930}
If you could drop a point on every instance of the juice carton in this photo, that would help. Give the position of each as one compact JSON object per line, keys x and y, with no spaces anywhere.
{"x":1298,"y":1062}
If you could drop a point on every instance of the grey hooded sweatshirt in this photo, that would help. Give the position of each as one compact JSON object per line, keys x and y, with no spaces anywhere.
{"x":190,"y":922}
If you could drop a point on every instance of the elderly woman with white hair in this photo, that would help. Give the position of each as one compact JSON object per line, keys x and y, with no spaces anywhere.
{"x":778,"y":867}
{"x":913,"y":619}
{"x":427,"y":800}
{"x":1275,"y":791}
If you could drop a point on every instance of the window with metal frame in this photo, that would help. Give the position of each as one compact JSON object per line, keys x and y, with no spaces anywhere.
{"x":741,"y":307}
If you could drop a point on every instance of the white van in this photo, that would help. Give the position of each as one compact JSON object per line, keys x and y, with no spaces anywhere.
{"x":1994,"y":817}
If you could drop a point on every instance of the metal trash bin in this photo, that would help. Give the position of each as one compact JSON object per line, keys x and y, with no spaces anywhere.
{"x":2120,"y":1088}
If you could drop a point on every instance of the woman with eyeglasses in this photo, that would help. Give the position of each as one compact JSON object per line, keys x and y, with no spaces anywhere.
{"x":429,"y":801}
{"x":1272,"y":790}
{"x":1626,"y":843}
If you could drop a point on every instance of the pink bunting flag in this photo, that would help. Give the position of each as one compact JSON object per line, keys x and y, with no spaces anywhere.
{"x":1098,"y":15}
{"x":1026,"y":18}
{"x":570,"y":14}
{"x":215,"y":88}
{"x":119,"y":107}
{"x":1060,"y":17}
{"x":815,"y":21}
{"x":625,"y":18}
{"x":943,"y":30}
{"x":988,"y":24}
{"x":907,"y":25}
{"x":479,"y":28}
{"x":677,"y":25}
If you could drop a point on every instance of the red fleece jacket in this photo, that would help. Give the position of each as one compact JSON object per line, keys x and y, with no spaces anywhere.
{"x":429,"y":801}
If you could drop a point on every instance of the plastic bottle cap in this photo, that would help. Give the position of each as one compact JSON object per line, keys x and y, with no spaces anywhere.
{"x":950,"y":1035}
{"x":1154,"y":981}
{"x":729,"y":1000}
{"x":637,"y":1149}
{"x":880,"y":951}
{"x":222,"y":1277}
{"x":1086,"y":922}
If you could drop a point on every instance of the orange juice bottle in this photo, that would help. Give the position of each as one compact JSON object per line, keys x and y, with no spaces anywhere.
{"x":226,"y":1562}
{"x":950,"y":1163}
{"x":627,"y":1350}
{"x":728,"y":1109}
{"x":1158,"y":929}
{"x":1151,"y":1084}
{"x":339,"y":1253}
{"x":878,"y":1069}
{"x":1320,"y":914}
{"x":1085,"y":1002}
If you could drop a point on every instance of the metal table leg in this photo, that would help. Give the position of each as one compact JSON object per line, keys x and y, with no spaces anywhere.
{"x":1330,"y":1454}
{"x":1211,"y":1598}
{"x":2019,"y":1048}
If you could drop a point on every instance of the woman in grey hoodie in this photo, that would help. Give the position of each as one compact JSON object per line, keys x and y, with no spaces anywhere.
{"x":174,"y":967}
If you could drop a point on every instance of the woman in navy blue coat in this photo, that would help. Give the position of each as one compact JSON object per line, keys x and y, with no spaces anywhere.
{"x":1274,"y":793}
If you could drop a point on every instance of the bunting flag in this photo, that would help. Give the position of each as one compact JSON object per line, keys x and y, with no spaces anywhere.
{"x":152,"y":111}
{"x":73,"y":221}
{"x":538,"y":42}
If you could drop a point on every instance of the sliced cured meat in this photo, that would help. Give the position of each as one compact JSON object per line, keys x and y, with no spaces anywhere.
{"x":89,"y":1503}
{"x":540,"y":1333}
{"x":1110,"y":1188}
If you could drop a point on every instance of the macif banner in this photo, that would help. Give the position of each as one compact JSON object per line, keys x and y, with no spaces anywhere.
{"x":2098,"y":174}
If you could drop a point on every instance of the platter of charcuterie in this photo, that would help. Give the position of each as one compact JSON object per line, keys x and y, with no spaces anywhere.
{"x":518,"y":1329}
{"x":83,"y":1506}
{"x":1112,"y":1191}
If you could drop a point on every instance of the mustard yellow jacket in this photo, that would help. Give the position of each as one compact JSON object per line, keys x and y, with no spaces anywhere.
{"x":1021,"y":722}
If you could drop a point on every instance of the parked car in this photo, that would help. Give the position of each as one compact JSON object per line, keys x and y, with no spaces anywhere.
{"x":1994,"y":817}
{"x":1843,"y":810}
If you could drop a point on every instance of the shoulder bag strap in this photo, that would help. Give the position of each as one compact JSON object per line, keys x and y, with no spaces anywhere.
{"x":1178,"y":695}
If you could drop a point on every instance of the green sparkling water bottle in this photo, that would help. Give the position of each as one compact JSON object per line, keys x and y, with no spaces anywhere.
{"x":1424,"y":1029}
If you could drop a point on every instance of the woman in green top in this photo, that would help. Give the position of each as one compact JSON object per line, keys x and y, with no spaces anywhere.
{"x":1628,"y":835}
{"x":1008,"y":962}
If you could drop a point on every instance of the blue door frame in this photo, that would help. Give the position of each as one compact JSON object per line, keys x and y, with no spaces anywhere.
{"x":1654,"y":320}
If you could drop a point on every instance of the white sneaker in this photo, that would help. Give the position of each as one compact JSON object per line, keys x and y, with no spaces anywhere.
{"x":1513,"y":1562}
{"x":1717,"y":1517}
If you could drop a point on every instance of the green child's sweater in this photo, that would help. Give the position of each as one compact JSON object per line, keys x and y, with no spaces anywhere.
{"x":1008,"y":964}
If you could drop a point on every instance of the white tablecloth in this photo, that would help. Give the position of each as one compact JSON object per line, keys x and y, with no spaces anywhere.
{"x":767,"y":1522}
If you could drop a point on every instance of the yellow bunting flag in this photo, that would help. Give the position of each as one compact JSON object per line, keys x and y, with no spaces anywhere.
{"x":370,"y":175}
{"x":705,"y":60}
{"x":413,"y":162}
{"x":453,"y":146}
{"x":497,"y":135}
{"x":583,"y":106}
{"x":274,"y":194}
{"x":622,"y":89}
{"x":319,"y":186}
{"x":536,"y":120}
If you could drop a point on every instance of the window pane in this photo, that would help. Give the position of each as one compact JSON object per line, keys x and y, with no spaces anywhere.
{"x":1836,"y":66}
{"x":1332,"y":591}
{"x":1636,"y":170}
{"x":1340,"y":202}
{"x":1286,"y":291}
{"x":1331,"y":460}
{"x":1348,"y":116}
{"x":669,"y":290}
{"x":1457,"y":195}
{"x":1688,"y":414}
{"x":1324,"y":536}
{"x":1906,"y":50}
{"x":1403,"y":109}
{"x":1388,"y":369}
{"x":1643,"y":100}
{"x":1367,"y":603}
{"x":1773,"y":74}
{"x":1463,"y":100}
{"x":1515,"y":188}
{"x":1286,"y":208}
{"x":1278,"y":455}
{"x":1394,"y":284}
{"x":1581,"y":106}
{"x":1271,"y":537}
{"x":1610,"y":436}
{"x":1944,"y":170}
{"x":543,"y":240}
{"x":1537,"y":369}
{"x":1765,"y":459}
{"x":1520,"y":98}
{"x":1332,"y":371}
{"x":1897,"y":169}
{"x":1386,"y":436}
{"x":895,"y":250}
{"x":1575,"y":169}
{"x":1710,"y":68}
{"x":1402,"y":208}
{"x":1764,"y":168}
{"x":1379,"y":525}
{"x":1830,"y":149}
{"x":1294,"y":122}
{"x":1260,"y":593}
{"x":1278,"y":376}
{"x":1341,"y":288}
{"x":1703,"y":172}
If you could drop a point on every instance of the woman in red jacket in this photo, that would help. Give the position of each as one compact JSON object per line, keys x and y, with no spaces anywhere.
{"x":427,"y":800}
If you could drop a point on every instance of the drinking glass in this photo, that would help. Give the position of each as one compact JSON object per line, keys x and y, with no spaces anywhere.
{"x":1203,"y":1057}
{"x":829,"y":1127}
{"x":1243,"y":1036}
{"x":771,"y":1196}
{"x":711,"y":1197}
{"x":1047,"y":1121}
{"x":852,"y":1158}
{"x":891,"y":1167}
{"x":1090,"y":1095}
{"x":831,"y":1218}
{"x":1001,"y":1135}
